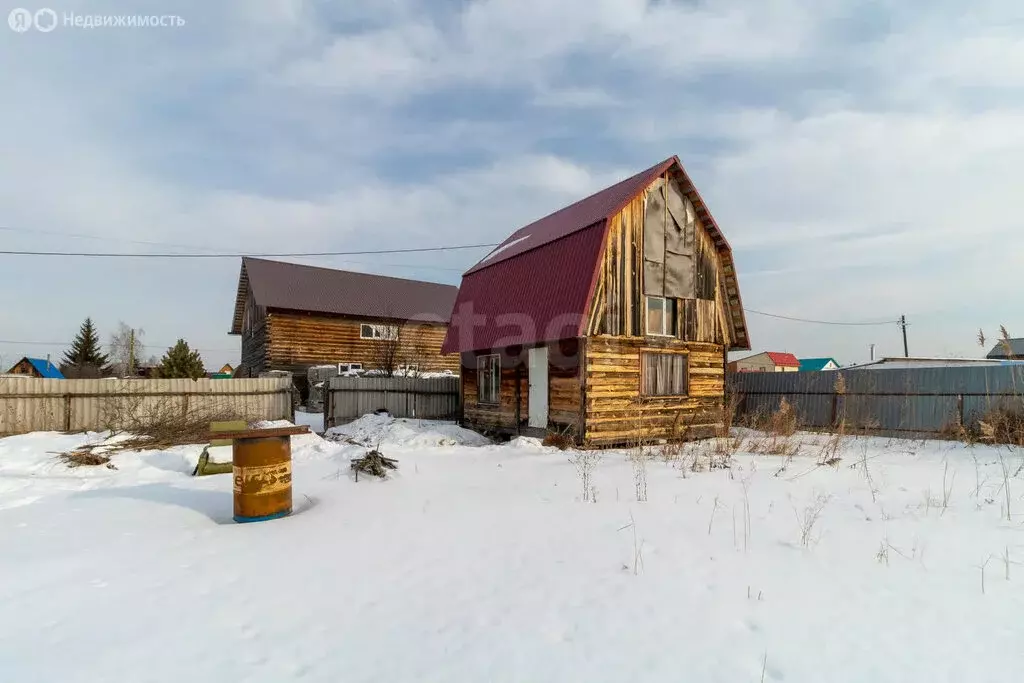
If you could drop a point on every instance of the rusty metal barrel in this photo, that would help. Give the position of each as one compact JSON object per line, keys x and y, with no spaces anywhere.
{"x":262,"y":469}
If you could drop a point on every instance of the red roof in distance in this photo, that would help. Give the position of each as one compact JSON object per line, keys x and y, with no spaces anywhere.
{"x":786,"y":360}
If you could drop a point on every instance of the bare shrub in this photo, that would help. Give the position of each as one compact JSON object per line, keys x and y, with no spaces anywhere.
{"x":163,"y":421}
{"x":638,"y":459}
{"x":809,"y":516}
{"x":586,"y":462}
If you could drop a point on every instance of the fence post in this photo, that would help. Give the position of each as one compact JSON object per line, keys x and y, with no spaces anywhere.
{"x":960,"y":408}
{"x":67,"y":412}
{"x":327,"y":403}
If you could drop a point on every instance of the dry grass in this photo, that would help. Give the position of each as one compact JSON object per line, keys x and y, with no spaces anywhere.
{"x":86,"y":456}
{"x":563,"y":439}
{"x":777,"y":432}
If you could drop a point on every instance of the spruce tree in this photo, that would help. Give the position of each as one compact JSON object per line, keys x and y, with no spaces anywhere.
{"x":85,"y":358}
{"x":181,"y":362}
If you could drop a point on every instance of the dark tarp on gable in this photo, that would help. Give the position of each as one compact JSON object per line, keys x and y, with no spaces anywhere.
{"x":668,"y":242}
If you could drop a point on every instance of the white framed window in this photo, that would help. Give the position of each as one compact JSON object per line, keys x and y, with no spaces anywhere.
{"x":664,"y":374}
{"x":368,"y":331}
{"x":662,"y":316}
{"x":488,"y":373}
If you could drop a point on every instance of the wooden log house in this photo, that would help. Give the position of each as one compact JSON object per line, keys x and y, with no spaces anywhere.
{"x":609,"y":320}
{"x":292,"y":317}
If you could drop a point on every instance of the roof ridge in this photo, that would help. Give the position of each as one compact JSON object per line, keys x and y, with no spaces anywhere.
{"x":611,"y":210}
{"x":340,"y":270}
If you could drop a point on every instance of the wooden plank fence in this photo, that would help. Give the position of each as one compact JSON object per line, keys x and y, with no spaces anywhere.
{"x":433,"y":398}
{"x":29,"y":404}
{"x":914,"y":401}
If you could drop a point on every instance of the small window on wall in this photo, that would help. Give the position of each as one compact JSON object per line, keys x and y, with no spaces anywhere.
{"x":488,"y":373}
{"x":664,"y":374}
{"x":662,"y":317}
{"x":378,"y":331}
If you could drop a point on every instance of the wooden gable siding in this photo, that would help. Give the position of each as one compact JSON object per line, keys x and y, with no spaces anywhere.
{"x":564,"y":390}
{"x":296,"y":341}
{"x":23,"y":367}
{"x":618,"y":306}
{"x":616,"y":414}
{"x":254,"y":350}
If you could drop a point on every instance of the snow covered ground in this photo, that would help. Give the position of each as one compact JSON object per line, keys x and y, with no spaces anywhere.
{"x":483,"y":563}
{"x":315,"y":421}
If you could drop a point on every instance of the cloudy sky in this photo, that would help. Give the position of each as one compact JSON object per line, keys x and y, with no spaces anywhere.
{"x":863,"y":157}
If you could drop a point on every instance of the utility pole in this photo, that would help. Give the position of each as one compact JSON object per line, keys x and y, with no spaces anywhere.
{"x":903,"y":326}
{"x":131,"y":353}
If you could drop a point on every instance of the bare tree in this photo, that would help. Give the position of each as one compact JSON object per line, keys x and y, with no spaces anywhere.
{"x":125,"y":350}
{"x":417,"y":353}
{"x":386,"y":348}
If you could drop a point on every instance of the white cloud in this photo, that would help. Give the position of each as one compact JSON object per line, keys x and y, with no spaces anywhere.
{"x":856,"y":177}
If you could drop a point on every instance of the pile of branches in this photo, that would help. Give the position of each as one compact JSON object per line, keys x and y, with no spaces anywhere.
{"x":373,"y":463}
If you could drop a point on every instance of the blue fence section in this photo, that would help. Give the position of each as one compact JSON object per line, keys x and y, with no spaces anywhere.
{"x":919,"y":400}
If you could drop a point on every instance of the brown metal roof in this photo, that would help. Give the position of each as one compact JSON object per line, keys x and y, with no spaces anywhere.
{"x":541,"y":278}
{"x":291,"y":286}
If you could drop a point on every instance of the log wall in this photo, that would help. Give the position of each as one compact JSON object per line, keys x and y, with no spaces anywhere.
{"x":564,"y":390}
{"x":616,"y":414}
{"x":296,"y":341}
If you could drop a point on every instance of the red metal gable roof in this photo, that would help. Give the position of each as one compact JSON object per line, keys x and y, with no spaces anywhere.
{"x":583,"y":214}
{"x":536,"y":285}
{"x":783,"y":359}
{"x":540,"y":296}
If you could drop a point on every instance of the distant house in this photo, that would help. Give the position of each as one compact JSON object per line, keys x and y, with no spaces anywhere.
{"x":1010,"y":349}
{"x":818,"y":364}
{"x":36,"y":367}
{"x":226,"y":372}
{"x":292,"y":317}
{"x":769,"y":361}
{"x":901,"y":363}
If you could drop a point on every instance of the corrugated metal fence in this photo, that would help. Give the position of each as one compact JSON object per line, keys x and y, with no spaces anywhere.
{"x":28,"y":404}
{"x":434,"y":398}
{"x":918,"y":400}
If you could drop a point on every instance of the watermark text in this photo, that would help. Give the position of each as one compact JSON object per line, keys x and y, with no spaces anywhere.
{"x":45,"y":20}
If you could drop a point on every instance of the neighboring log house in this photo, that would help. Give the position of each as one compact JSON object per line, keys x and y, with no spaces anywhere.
{"x":610,"y":320}
{"x":291,"y":317}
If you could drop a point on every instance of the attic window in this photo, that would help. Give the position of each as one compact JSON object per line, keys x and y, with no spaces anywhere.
{"x":378,"y":331}
{"x":662,"y":316}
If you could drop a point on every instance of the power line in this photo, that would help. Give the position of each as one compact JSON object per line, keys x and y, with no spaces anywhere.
{"x":820,"y":322}
{"x":148,"y":346}
{"x":125,"y":240}
{"x":415,"y":250}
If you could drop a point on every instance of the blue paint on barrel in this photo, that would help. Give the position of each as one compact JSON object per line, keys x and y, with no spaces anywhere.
{"x":264,"y":518}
